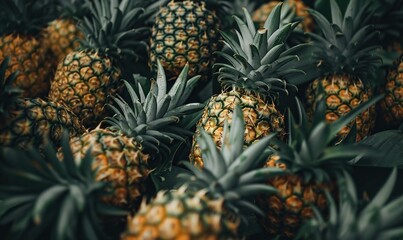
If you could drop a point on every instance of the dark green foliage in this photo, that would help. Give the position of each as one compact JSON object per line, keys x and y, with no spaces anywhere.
{"x":311,"y":147}
{"x":27,"y":17}
{"x":346,"y":43}
{"x":45,"y":196}
{"x":353,"y":219}
{"x":8,"y":94}
{"x":115,"y":29}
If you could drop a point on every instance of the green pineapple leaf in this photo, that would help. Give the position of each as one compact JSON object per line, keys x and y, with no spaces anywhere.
{"x":49,"y":196}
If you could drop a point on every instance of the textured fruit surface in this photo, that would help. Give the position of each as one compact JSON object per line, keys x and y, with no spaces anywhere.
{"x":260,"y":15}
{"x":392,"y":104}
{"x":342,"y":95}
{"x":83,"y":81}
{"x":28,"y":58}
{"x":260,"y":118}
{"x":184,"y":32}
{"x":62,"y":36}
{"x":119,"y":161}
{"x":178,"y":215}
{"x":286,"y":211}
{"x":30,"y":121}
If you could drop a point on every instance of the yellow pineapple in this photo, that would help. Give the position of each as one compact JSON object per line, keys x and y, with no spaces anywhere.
{"x":212,"y":203}
{"x":29,"y":121}
{"x":346,"y":58}
{"x":21,"y":22}
{"x":258,"y":68}
{"x":62,"y":34}
{"x":119,"y":160}
{"x":312,"y":165}
{"x":344,"y":94}
{"x":85,"y":77}
{"x":184,"y":32}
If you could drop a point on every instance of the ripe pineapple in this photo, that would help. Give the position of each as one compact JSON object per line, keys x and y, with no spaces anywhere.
{"x":388,"y":20}
{"x":46,"y":198}
{"x":84,"y":78}
{"x":352,"y":220}
{"x":258,"y":68}
{"x":62,"y":34}
{"x":214,"y":201}
{"x":139,"y":136}
{"x":346,"y":59}
{"x":312,"y":164}
{"x":184,"y":32}
{"x":26,"y":121}
{"x":298,"y":10}
{"x":392,"y":105}
{"x":21,"y":22}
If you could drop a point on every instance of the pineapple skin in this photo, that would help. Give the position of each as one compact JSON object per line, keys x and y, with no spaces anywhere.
{"x":342,"y":95}
{"x":184,"y":32}
{"x":392,"y":105}
{"x":286,"y":211}
{"x":28,"y":56}
{"x":119,"y":160}
{"x":31,"y":121}
{"x":62,"y":36}
{"x":181,"y":215}
{"x":260,"y":15}
{"x":261,"y":119}
{"x":83,"y":81}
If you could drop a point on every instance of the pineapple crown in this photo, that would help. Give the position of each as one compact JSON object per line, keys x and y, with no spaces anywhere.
{"x":45,"y":195}
{"x":232,"y":173}
{"x":376,"y":220}
{"x":114,"y":29}
{"x":8,"y":93}
{"x":76,"y":9}
{"x":311,"y":147}
{"x":27,"y":17}
{"x":152,"y":118}
{"x":259,"y":61}
{"x":151,"y":8}
{"x":346,"y":46}
{"x":388,"y":19}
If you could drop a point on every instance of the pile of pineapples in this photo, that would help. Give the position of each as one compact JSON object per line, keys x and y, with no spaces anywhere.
{"x":201,"y":119}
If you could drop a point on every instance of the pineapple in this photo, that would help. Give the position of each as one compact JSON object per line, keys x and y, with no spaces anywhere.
{"x":85,"y":77}
{"x":46,"y":198}
{"x":62,"y":35}
{"x":377,"y":219}
{"x":26,"y":121}
{"x":388,"y":20}
{"x":346,"y":59}
{"x":184,"y":32}
{"x":312,"y":166}
{"x":20,"y":39}
{"x":212,"y":202}
{"x":139,"y":137}
{"x":392,"y":105}
{"x":258,"y":68}
{"x":298,"y":11}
